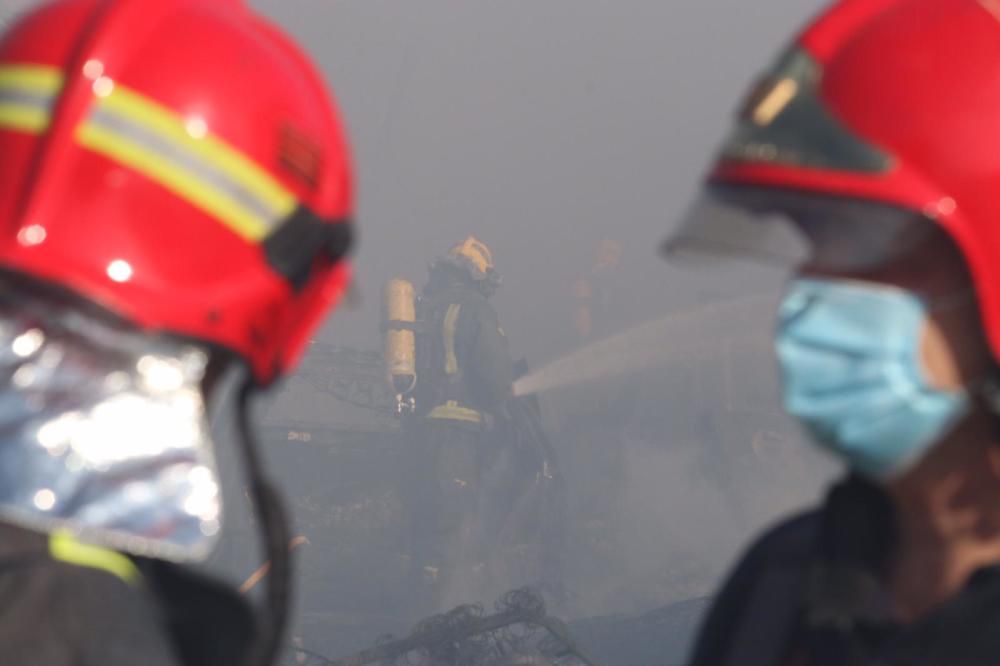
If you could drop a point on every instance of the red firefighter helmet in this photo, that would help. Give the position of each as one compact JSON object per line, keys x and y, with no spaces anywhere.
{"x":179,"y":163}
{"x":881,"y":122}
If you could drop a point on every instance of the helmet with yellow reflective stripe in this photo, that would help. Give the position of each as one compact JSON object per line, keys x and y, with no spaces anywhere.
{"x":180,"y":164}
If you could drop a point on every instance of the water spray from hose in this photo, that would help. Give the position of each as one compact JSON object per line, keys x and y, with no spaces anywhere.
{"x":691,"y":334}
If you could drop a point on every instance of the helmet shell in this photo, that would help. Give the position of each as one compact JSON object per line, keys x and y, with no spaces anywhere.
{"x":150,"y":152}
{"x":915,"y":79}
{"x":473,"y":255}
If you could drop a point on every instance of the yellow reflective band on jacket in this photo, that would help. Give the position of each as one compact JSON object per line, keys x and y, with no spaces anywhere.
{"x":27,"y":95}
{"x":64,"y":547}
{"x":450,"y":324}
{"x":452,"y":410}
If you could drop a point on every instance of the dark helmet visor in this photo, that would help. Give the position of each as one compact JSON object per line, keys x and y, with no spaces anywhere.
{"x":791,"y":228}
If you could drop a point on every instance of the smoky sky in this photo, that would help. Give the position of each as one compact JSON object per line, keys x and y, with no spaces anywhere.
{"x":542,"y":126}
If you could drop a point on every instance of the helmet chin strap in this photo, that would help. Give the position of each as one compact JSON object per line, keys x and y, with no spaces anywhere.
{"x":275,"y":536}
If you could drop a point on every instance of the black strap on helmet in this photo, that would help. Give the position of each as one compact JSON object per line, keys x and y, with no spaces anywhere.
{"x":293,"y":249}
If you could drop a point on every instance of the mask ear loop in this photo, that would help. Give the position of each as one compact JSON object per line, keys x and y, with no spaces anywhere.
{"x":275,"y":536}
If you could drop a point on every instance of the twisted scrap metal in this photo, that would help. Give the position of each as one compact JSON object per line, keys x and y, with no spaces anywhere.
{"x":466,"y":636}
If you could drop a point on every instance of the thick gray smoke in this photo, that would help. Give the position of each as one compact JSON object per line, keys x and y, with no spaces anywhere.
{"x":9,"y":9}
{"x":544,"y":128}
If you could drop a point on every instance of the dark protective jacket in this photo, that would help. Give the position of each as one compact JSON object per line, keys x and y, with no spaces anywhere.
{"x":464,"y":367}
{"x":66,"y":604}
{"x":812,"y":592}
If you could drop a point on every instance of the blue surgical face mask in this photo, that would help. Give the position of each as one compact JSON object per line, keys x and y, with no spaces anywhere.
{"x":850,"y":358}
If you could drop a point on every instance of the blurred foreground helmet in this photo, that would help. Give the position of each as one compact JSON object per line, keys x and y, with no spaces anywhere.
{"x":175,"y":189}
{"x":179,"y":164}
{"x":879,"y":126}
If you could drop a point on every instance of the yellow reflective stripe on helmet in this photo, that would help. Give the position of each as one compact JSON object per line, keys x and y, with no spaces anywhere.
{"x":452,"y":410}
{"x":450,"y":324}
{"x":64,"y":547}
{"x":183,"y":156}
{"x":31,"y":78}
{"x":24,"y":119}
{"x":180,"y":181}
{"x":164,"y":122}
{"x":180,"y":154}
{"x":27,"y":94}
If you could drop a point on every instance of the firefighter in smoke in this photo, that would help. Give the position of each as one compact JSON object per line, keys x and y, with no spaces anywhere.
{"x":463,"y":378}
{"x":174,"y":196}
{"x":869,"y":158}
{"x":598,"y":294}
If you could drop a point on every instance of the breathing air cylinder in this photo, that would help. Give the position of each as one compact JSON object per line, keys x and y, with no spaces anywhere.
{"x":400,"y":341}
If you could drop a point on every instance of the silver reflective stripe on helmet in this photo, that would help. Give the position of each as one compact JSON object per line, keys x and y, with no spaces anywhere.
{"x":178,"y":157}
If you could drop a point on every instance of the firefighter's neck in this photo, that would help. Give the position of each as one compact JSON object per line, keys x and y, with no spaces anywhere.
{"x":948,"y":510}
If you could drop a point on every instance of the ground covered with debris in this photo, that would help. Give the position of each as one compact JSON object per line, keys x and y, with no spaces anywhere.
{"x":519,"y":631}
